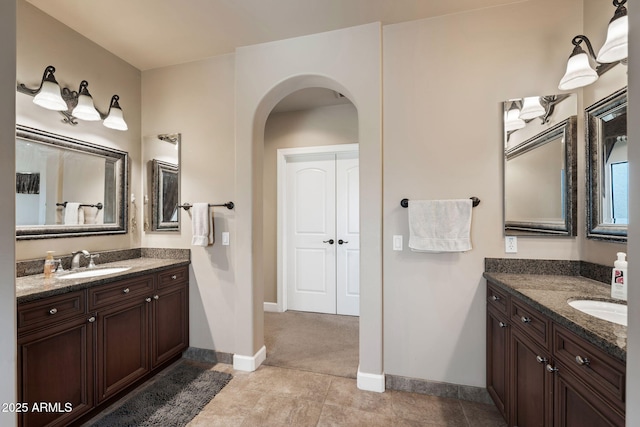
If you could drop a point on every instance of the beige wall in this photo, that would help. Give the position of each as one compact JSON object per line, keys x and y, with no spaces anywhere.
{"x":43,"y":41}
{"x":7,"y":209}
{"x":308,"y":128}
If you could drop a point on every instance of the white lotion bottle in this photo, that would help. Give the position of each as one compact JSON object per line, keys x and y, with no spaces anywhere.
{"x":619,"y":277}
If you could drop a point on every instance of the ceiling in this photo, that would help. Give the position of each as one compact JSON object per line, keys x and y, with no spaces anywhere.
{"x":156,"y":33}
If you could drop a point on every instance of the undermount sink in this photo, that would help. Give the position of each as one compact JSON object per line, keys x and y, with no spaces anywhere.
{"x":94,"y":272}
{"x":610,"y":311}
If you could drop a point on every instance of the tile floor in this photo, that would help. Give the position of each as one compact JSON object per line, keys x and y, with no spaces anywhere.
{"x":273,"y":396}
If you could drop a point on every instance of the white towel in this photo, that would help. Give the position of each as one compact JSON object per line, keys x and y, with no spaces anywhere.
{"x":440,"y":225}
{"x":202,"y":225}
{"x":73,"y":214}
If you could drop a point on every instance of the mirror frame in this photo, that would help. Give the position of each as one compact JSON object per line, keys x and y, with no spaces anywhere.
{"x":26,"y":232}
{"x":158,"y":168}
{"x":593,"y":119}
{"x":568,"y":129}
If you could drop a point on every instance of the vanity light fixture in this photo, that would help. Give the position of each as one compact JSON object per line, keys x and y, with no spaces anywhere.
{"x":579,"y":72}
{"x":531,"y":108}
{"x":513,"y":121}
{"x":71,"y":104}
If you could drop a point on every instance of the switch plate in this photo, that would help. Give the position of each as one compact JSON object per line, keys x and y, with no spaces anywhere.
{"x":510,"y":244}
{"x":397,"y":242}
{"x":225,"y":238}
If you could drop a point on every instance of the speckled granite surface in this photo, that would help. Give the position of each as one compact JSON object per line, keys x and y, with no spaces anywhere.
{"x":550,"y":293}
{"x":601,"y":273}
{"x":30,"y":288}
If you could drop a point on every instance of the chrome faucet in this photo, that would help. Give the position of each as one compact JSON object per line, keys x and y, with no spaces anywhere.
{"x":75,"y":261}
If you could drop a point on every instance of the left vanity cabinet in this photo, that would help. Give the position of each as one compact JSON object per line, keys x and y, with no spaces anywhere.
{"x":55,"y":360}
{"x":79,"y":351}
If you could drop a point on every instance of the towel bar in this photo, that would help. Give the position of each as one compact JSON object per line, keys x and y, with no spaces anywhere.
{"x":187,"y":206}
{"x":97,"y":205}
{"x":405,"y":202}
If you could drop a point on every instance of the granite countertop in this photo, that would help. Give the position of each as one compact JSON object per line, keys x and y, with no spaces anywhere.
{"x":550,"y":293}
{"x":34,"y":287}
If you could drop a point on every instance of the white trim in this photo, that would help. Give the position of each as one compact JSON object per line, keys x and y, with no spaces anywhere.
{"x":283,"y":155}
{"x":249,"y":363}
{"x":370,"y":382}
{"x":272,"y":307}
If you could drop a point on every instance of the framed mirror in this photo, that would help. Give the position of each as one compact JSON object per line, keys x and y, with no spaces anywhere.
{"x":166,"y":196}
{"x":66,"y":187}
{"x":540,"y":177}
{"x":607,"y":168}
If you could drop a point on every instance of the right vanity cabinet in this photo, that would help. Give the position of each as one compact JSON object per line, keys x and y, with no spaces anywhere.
{"x":541,"y":374}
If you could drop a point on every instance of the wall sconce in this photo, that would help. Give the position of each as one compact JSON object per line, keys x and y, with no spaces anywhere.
{"x":71,"y":104}
{"x":615,"y":49}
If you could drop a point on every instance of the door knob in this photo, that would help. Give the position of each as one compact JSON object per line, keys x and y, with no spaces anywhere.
{"x":342,"y":241}
{"x":330,"y":241}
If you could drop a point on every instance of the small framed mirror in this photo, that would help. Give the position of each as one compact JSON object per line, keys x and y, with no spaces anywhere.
{"x":166,"y":196}
{"x":66,"y":187}
{"x":607,"y":168}
{"x":540,"y":178}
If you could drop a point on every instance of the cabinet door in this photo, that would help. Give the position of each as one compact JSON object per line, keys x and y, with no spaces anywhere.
{"x":576,"y":405}
{"x":122,"y":349}
{"x":55,"y":368}
{"x":170,"y":323}
{"x":531,"y":384}
{"x":497,"y":360}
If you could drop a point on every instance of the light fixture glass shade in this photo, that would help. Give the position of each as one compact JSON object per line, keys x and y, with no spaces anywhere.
{"x":615,"y":48}
{"x":531,"y":108}
{"x":49,"y":97}
{"x":579,"y":73}
{"x":85,"y":109}
{"x":513,"y":121}
{"x":115,"y":120}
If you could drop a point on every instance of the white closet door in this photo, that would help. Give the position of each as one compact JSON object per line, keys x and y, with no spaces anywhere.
{"x":310,"y":221}
{"x":348,"y":234}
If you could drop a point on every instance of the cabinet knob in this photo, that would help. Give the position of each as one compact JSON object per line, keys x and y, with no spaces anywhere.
{"x":156,"y":297}
{"x":541,"y":359}
{"x":92,"y":319}
{"x":125,"y":291}
{"x":148,"y":299}
{"x":495,"y":297}
{"x":551,"y":369}
{"x":174,"y":277}
{"x":503,"y":325}
{"x":525,"y":319}
{"x":582,"y":360}
{"x":53,"y":311}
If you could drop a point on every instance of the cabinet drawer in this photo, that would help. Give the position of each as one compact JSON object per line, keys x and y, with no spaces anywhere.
{"x":600,"y":371}
{"x":122,"y":291}
{"x":531,"y":322}
{"x":51,"y":309}
{"x":497,"y":298}
{"x":172,"y":277}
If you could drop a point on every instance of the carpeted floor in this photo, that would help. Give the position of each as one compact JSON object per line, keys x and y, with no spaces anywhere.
{"x":171,"y":399}
{"x":322,"y":343}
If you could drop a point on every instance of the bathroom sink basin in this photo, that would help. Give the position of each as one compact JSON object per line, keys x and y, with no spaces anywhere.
{"x":94,"y":272}
{"x":610,"y":311}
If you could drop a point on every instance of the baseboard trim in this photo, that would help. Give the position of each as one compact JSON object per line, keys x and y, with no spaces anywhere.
{"x":435,"y":388}
{"x":249,"y":363}
{"x":370,"y":382}
{"x":271,"y":307}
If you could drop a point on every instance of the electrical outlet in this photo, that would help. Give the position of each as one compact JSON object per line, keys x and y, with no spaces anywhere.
{"x":511,"y":244}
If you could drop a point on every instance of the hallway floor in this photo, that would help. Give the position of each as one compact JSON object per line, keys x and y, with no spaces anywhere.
{"x":273,"y":396}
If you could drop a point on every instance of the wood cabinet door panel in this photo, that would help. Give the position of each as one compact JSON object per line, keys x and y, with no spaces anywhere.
{"x":498,"y":359}
{"x":123,"y":342}
{"x":56,"y":366}
{"x":170,"y":324}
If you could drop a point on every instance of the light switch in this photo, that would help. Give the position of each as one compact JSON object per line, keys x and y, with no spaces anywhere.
{"x":225,"y":238}
{"x":397,"y":242}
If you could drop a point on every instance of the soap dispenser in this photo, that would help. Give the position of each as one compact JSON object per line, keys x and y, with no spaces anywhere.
{"x":619,"y":277}
{"x":49,"y":265}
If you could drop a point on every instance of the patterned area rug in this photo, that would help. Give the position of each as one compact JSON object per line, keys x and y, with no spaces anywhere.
{"x":173,"y":399}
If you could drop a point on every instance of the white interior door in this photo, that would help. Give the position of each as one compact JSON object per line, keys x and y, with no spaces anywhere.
{"x":322,"y":224}
{"x":348,"y":234}
{"x":311,"y":249}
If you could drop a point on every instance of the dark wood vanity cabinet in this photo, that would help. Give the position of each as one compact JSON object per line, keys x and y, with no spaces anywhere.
{"x":541,"y":374}
{"x":98,"y":343}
